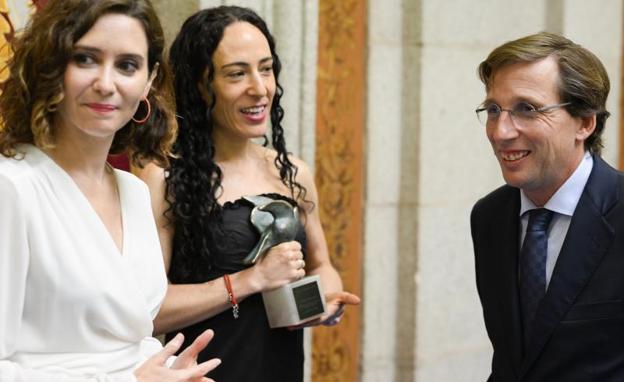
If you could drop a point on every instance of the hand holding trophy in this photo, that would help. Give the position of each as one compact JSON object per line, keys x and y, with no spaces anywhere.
{"x":299,"y":301}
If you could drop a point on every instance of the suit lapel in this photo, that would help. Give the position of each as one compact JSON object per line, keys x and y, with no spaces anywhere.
{"x":588,"y":238}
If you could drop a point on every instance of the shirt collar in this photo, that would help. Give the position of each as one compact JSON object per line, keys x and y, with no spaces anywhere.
{"x":566,"y":198}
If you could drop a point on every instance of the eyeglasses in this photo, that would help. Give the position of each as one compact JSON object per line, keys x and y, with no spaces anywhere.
{"x":522,"y":113}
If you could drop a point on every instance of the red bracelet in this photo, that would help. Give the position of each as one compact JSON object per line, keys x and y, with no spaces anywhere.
{"x":231,"y":297}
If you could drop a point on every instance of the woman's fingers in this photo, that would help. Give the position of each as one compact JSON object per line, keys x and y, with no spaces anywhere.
{"x":287,"y":251}
{"x":297,"y":263}
{"x":294,"y":259}
{"x":185,"y":368}
{"x":203,"y":340}
{"x":343,"y":298}
{"x":287,"y":247}
{"x":335,"y":309}
{"x":189,"y":355}
{"x":198,"y":371}
{"x":339,"y":300}
{"x":209,"y":365}
{"x":351,"y":299}
{"x":169,"y":349}
{"x":199,"y":344}
{"x":335,"y":317}
{"x":283,"y":264}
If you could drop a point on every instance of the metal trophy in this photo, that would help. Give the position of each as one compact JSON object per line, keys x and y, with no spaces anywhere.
{"x":302,"y":300}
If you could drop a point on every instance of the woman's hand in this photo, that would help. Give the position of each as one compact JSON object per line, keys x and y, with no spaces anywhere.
{"x":185,"y":367}
{"x":280,"y":266}
{"x":335,"y":303}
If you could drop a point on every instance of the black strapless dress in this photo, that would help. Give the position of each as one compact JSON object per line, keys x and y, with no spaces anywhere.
{"x":249,"y":349}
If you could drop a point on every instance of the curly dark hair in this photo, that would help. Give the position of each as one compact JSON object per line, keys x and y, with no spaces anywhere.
{"x":194,"y":179}
{"x":34,"y":89}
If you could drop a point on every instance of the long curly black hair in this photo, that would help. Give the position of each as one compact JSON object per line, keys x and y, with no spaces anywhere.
{"x":194,"y":179}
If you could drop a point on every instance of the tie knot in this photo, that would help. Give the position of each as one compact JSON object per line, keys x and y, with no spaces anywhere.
{"x":539,"y":219}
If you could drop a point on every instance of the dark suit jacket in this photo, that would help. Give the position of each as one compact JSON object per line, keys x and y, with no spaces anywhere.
{"x":578,"y":332}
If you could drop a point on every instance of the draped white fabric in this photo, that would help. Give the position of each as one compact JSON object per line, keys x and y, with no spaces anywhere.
{"x":72,"y":307}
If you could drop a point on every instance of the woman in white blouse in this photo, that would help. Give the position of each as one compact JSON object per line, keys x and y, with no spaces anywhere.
{"x":81,"y":275}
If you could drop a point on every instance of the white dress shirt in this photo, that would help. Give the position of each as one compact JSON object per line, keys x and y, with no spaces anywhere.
{"x":72,"y":306}
{"x":562,"y":203}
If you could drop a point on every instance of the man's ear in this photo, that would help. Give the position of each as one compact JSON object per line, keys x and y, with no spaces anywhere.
{"x":586,"y":127}
{"x":151,"y":79}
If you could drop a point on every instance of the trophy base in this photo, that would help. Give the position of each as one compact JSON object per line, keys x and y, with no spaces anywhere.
{"x":294,"y":303}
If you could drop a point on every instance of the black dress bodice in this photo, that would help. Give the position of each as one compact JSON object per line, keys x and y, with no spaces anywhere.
{"x":248,"y":348}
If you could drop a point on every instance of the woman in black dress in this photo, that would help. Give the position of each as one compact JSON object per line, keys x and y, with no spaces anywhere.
{"x":226,"y":70}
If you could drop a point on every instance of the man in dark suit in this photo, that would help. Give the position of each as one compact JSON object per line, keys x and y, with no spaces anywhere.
{"x":549,"y":245}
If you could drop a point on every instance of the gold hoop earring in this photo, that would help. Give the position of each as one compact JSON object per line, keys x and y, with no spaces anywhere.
{"x":149,"y":111}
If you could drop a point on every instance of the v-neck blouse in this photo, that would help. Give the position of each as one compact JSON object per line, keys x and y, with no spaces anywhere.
{"x":70,"y":303}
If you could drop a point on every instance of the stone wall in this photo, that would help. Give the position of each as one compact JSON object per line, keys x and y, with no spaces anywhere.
{"x":429,"y":161}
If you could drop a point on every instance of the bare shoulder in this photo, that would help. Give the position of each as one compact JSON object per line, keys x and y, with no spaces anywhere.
{"x":151,"y":173}
{"x":154,"y":176}
{"x":303,"y":175}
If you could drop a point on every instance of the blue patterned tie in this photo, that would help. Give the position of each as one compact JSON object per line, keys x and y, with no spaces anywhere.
{"x":533,"y":266}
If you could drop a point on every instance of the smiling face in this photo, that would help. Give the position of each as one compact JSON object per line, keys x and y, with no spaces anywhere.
{"x":105,"y":79}
{"x":243,"y":84}
{"x":540,"y":156}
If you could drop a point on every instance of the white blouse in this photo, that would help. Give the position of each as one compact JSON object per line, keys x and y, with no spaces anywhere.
{"x":72,"y":307}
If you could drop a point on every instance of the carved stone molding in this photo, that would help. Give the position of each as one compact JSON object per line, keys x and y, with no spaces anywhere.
{"x":339,"y":172}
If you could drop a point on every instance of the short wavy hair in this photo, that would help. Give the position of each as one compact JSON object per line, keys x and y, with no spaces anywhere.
{"x":583,"y":80}
{"x":31,"y":95}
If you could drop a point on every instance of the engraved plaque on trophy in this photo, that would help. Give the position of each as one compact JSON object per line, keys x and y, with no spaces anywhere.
{"x":296,"y":302}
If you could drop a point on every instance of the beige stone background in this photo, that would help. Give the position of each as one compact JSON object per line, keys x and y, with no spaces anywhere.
{"x":427,"y":158}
